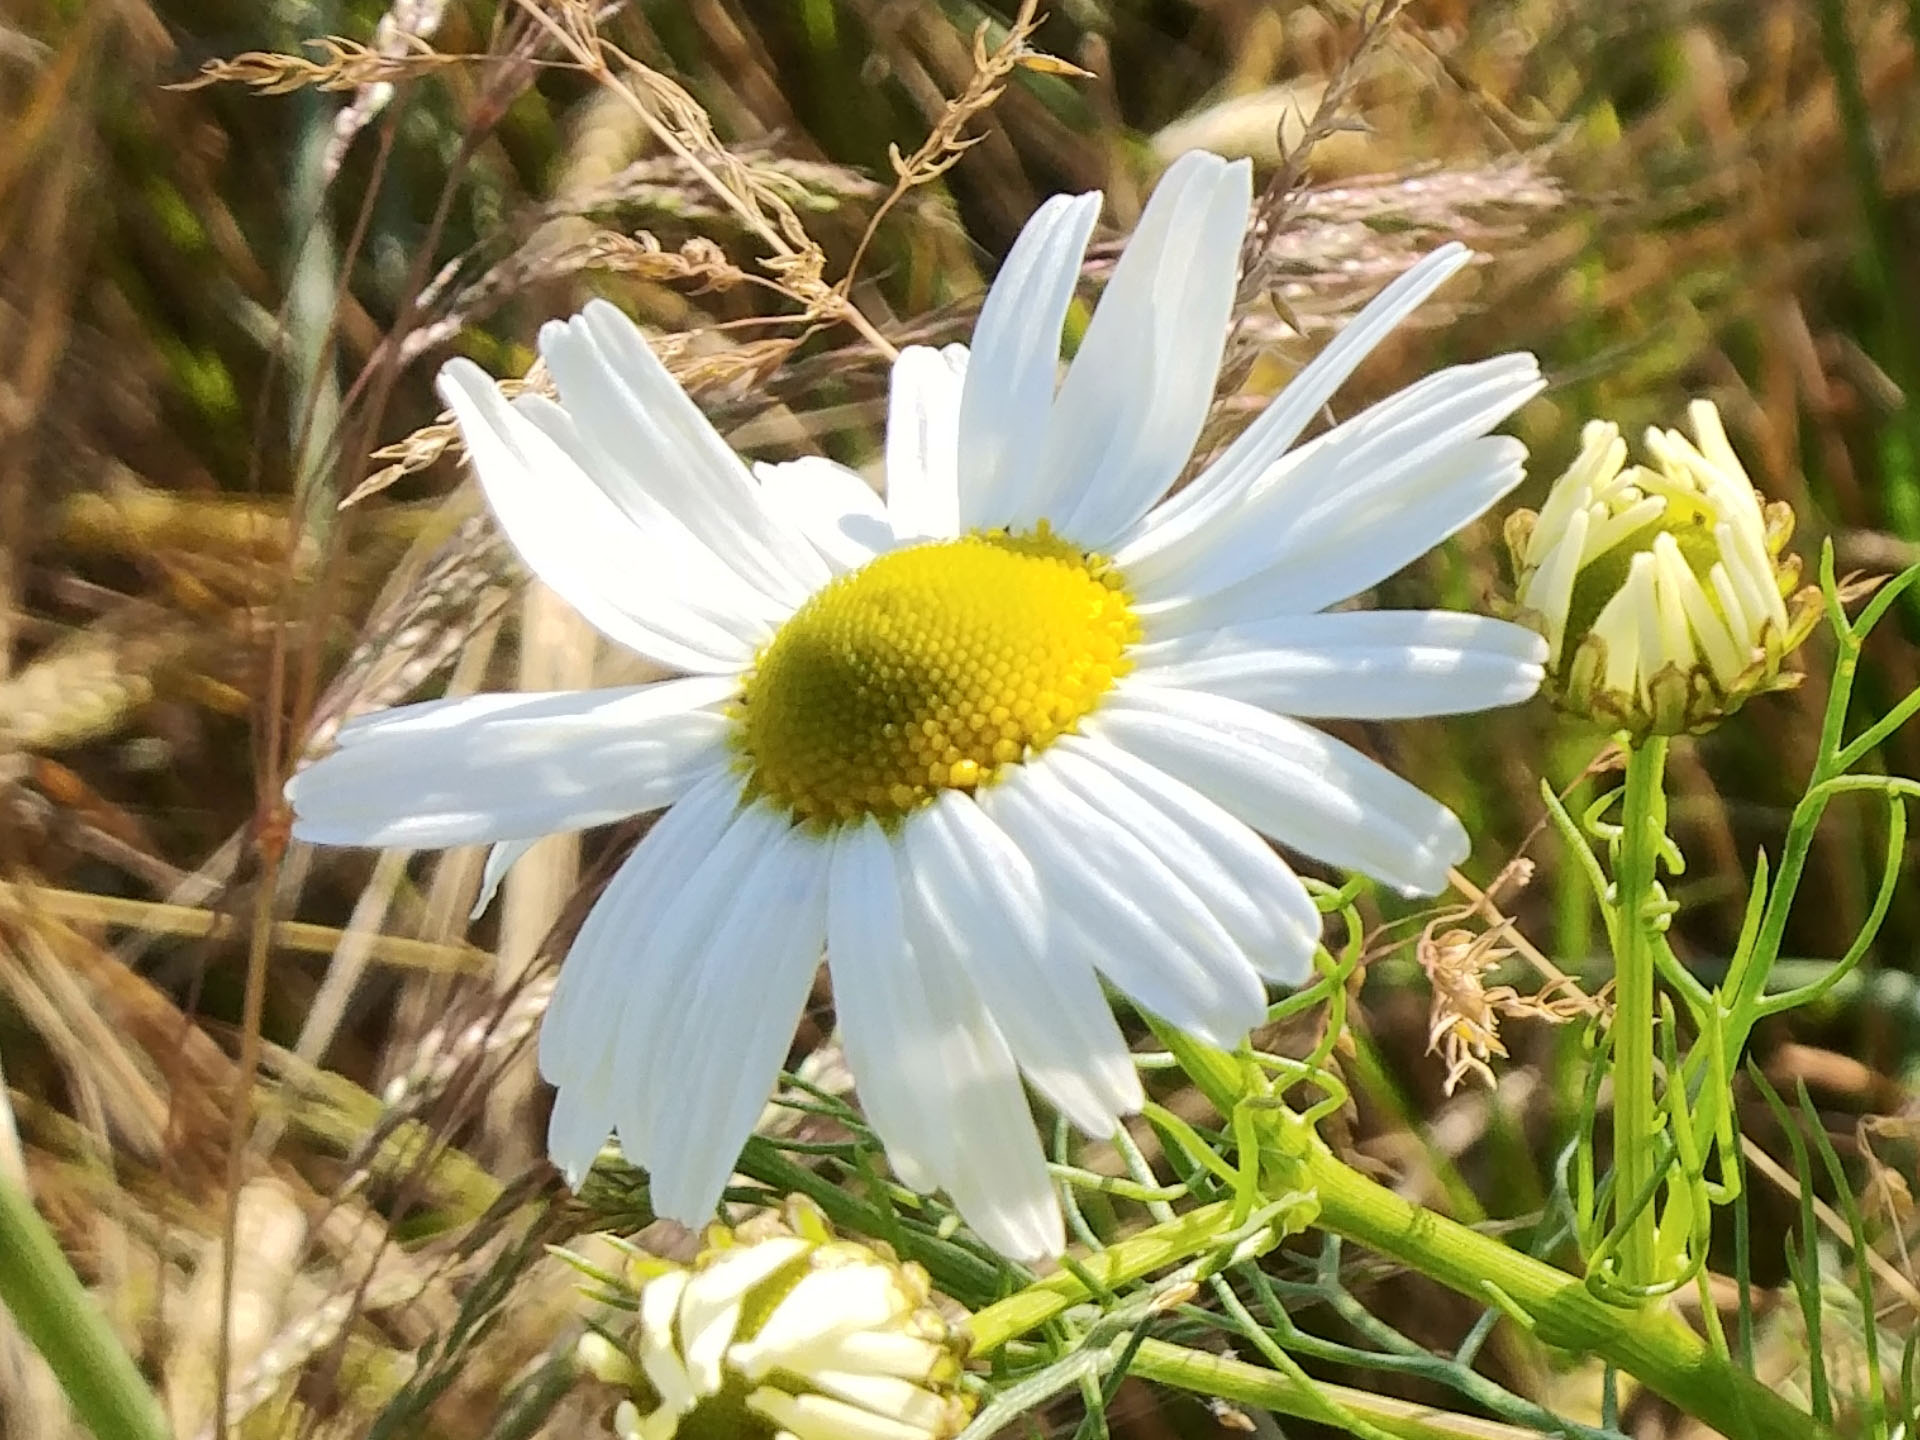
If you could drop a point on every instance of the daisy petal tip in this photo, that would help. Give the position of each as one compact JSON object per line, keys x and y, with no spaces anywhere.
{"x":1436,"y":267}
{"x":1293,"y":973}
{"x":1063,"y":207}
{"x":460,"y":379}
{"x":1193,"y":160}
{"x":573,"y":1142}
{"x":603,"y":312}
{"x":1032,"y":1239}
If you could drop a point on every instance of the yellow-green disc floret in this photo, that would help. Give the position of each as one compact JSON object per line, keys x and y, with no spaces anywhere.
{"x":930,"y":668}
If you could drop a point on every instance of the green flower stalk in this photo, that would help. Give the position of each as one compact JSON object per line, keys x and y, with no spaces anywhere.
{"x":780,"y":1331}
{"x":1663,"y":591}
{"x":1667,"y":598}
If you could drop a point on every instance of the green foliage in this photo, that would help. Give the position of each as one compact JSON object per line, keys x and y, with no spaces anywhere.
{"x":216,"y":325}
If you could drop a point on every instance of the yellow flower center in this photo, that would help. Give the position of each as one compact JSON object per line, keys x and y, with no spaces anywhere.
{"x":930,"y":668}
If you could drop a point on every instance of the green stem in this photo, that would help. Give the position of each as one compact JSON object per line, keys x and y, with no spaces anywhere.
{"x":1635,"y":1116}
{"x":58,"y":1316}
{"x":1240,"y":1383}
{"x":1556,"y":1308}
{"x":1154,"y":1249}
{"x":1649,"y":1344}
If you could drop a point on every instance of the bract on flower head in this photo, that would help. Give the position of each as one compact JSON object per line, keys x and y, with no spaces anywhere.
{"x":1024,"y":726}
{"x":783,"y":1332}
{"x":1664,"y":591}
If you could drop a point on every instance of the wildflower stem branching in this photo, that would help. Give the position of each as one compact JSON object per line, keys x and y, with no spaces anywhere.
{"x":1558,"y":1308}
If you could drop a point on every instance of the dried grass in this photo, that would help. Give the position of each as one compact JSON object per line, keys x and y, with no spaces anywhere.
{"x":183,"y":565}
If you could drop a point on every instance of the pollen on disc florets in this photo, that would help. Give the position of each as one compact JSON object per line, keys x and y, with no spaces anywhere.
{"x":930,"y":668}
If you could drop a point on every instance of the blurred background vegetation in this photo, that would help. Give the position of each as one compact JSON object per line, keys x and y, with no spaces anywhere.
{"x":220,"y":313}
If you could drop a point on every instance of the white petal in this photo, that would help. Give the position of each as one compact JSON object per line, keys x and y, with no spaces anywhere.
{"x":1221,"y":486}
{"x":830,"y":505}
{"x":1629,"y":626}
{"x":1747,"y":563}
{"x":885,"y":1395}
{"x":652,"y":1017}
{"x":581,"y":1121}
{"x":706,"y":461}
{"x":735,"y":1013}
{"x":1138,"y":390}
{"x":816,"y":1417}
{"x":1250,"y":890}
{"x":502,"y":856}
{"x":932,"y":1069}
{"x":871,"y":1352}
{"x":608,"y":965}
{"x":496,"y":767}
{"x":980,"y":906}
{"x":627,"y":405}
{"x":923,"y":442}
{"x":1357,"y":664}
{"x":576,"y":539}
{"x":1008,"y":393}
{"x":999,"y":1181}
{"x":866,"y":935}
{"x":1130,"y":915}
{"x":659,"y":1349}
{"x":824,"y":1306}
{"x":1453,"y":492}
{"x":1337,"y":491}
{"x":607,"y":969}
{"x":711,"y":1310}
{"x":1388,"y":445}
{"x":1549,"y":592}
{"x":1723,"y":651}
{"x":1595,"y":470}
{"x":663,"y":544}
{"x":1290,"y":782}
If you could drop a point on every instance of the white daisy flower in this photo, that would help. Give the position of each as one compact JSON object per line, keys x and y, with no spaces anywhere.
{"x":1024,"y":725}
{"x":1666,"y":594}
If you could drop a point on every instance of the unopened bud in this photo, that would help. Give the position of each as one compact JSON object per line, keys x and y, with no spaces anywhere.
{"x":791,"y":1333}
{"x":1663,"y":590}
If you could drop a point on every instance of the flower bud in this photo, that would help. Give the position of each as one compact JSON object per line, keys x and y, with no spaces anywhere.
{"x":782,"y":1332}
{"x":1661,"y":589}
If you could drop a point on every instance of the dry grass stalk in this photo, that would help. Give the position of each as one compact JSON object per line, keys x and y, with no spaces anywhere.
{"x":1738,"y":235}
{"x":1284,"y":189}
{"x":406,"y":29}
{"x":555,"y":252}
{"x":343,"y":65}
{"x":948,"y":140}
